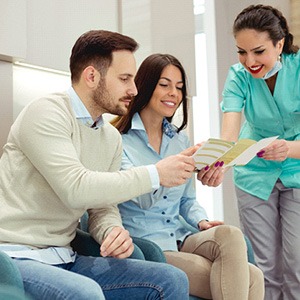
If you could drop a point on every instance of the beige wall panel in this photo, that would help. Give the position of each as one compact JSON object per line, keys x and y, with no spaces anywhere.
{"x":53,"y":26}
{"x":12,"y":29}
{"x":295,"y":21}
{"x":6,"y":103}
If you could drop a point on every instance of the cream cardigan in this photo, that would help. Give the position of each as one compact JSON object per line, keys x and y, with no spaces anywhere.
{"x":54,"y":168}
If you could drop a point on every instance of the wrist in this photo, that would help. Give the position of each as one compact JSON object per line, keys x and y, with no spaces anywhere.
{"x":202,"y":221}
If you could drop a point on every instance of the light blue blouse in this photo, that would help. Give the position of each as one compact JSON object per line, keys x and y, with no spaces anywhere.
{"x":155,"y":216}
{"x":266,"y":115}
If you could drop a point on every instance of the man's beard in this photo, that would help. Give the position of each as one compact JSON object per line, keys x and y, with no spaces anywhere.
{"x":105,"y":101}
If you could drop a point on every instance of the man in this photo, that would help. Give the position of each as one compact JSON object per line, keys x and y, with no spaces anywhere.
{"x":61,"y":159}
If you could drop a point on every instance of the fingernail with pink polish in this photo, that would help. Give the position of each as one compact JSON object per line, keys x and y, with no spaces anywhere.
{"x":260,"y":153}
{"x":221,"y":164}
{"x":217,"y":164}
{"x":206,"y":168}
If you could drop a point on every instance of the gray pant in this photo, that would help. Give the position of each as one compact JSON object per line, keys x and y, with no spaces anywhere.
{"x":273,"y":227}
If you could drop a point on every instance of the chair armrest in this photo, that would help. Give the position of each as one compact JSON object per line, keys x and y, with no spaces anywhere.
{"x":250,"y":253}
{"x":9,"y":272}
{"x":11,"y":283}
{"x":151,"y":251}
{"x":8,"y":292}
{"x":84,"y":244}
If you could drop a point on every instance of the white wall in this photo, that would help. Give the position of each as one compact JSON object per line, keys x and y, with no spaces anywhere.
{"x":12,"y":29}
{"x":12,"y":47}
{"x":44,"y":83}
{"x":6,"y":103}
{"x":165,"y":26}
{"x":53,"y":27}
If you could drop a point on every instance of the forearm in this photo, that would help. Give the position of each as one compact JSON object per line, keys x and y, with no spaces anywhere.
{"x":101,"y":221}
{"x":294,"y":149}
{"x":231,"y":124}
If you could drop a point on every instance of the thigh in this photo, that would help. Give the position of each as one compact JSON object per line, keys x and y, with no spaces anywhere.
{"x":197,"y":268}
{"x":224,"y":240}
{"x":261,"y":223}
{"x":290,"y":216}
{"x":46,"y":282}
{"x":134,"y":279}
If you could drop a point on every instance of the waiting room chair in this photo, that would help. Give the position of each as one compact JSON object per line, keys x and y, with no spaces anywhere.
{"x":11,"y":284}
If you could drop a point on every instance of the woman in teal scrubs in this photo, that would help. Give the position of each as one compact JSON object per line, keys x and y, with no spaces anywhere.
{"x":265,"y":86}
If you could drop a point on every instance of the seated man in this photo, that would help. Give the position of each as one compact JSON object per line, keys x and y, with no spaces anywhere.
{"x":61,"y":159}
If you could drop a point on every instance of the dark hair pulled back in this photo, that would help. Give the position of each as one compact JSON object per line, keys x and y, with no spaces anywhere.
{"x":265,"y":18}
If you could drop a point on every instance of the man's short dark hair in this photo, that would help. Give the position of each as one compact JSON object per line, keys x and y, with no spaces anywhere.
{"x":95,"y":48}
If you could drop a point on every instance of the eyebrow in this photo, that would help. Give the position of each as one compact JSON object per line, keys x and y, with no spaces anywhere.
{"x":170,"y":79}
{"x":126,"y":74}
{"x":256,"y":48}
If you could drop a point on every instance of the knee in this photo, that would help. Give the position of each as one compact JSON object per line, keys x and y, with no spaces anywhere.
{"x":231,"y":236}
{"x":175,"y":278}
{"x":89,"y":290}
{"x":176,"y":275}
{"x":256,"y":279}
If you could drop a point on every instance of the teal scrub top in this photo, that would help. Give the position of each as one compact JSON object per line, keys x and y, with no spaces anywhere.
{"x":266,"y":115}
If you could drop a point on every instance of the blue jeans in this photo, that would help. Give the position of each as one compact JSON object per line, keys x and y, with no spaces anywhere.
{"x":103,"y":278}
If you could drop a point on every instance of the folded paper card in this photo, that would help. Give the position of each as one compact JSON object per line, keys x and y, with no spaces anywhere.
{"x":233,"y":154}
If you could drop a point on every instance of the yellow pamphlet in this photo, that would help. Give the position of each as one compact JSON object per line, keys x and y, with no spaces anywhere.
{"x":233,"y":154}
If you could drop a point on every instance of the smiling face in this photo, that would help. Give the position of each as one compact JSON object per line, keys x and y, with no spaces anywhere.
{"x":167,"y":94}
{"x":257,"y":52}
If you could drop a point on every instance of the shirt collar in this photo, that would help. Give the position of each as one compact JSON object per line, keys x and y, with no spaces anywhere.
{"x":81,"y":112}
{"x":168,"y":128}
{"x":137,"y":122}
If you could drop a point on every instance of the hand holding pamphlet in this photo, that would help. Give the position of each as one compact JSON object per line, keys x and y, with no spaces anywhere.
{"x":233,"y":154}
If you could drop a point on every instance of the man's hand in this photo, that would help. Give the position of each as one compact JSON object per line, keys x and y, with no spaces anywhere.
{"x":191,"y":150}
{"x":204,"y":224}
{"x":117,"y":243}
{"x":176,"y":169}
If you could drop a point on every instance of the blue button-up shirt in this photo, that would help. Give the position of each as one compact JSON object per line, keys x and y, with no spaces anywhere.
{"x":81,"y":112}
{"x":155,"y":216}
